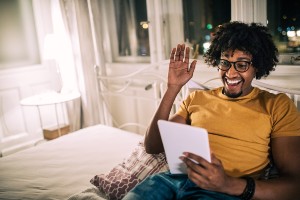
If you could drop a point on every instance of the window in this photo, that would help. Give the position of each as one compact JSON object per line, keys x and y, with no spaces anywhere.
{"x":284,"y":22}
{"x":18,"y":40}
{"x":201,"y":17}
{"x":132,"y":27}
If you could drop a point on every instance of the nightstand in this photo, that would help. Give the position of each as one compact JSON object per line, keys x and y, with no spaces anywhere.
{"x":51,"y":98}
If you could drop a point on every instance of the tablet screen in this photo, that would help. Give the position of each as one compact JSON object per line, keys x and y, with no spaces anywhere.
{"x":178,"y":138}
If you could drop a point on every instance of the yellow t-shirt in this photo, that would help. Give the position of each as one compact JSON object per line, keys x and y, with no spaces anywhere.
{"x":240,"y":128}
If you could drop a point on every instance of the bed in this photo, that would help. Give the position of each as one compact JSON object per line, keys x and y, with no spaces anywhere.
{"x":62,"y":167}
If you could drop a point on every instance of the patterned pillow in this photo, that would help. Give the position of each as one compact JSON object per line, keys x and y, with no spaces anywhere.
{"x":123,"y":177}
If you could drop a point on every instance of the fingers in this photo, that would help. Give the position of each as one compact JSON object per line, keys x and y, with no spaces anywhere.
{"x":178,"y":52}
{"x":197,"y":158}
{"x":172,"y":55}
{"x":192,"y":67}
{"x":181,"y":54}
{"x":210,"y":176}
{"x":194,"y":161}
{"x":196,"y":170}
{"x":187,"y":55}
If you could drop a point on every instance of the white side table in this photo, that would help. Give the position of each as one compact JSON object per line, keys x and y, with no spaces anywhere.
{"x":49,"y":98}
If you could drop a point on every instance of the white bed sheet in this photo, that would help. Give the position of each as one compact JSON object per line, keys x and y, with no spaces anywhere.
{"x":62,"y":167}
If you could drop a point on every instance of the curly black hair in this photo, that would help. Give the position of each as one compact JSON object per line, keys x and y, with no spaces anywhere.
{"x":253,"y":38}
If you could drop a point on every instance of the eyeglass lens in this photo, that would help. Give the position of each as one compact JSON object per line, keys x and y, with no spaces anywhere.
{"x":240,"y":66}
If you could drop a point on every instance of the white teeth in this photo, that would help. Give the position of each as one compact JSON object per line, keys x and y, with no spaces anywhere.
{"x":233,"y":81}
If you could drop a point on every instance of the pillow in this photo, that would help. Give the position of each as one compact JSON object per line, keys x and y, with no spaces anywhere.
{"x":123,"y":177}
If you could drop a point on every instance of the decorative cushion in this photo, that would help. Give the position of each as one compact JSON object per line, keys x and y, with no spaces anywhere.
{"x":123,"y":177}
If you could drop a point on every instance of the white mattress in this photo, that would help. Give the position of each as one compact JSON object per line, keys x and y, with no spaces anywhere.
{"x":64,"y":166}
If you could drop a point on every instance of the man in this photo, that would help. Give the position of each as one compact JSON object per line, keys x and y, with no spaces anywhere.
{"x":244,"y":123}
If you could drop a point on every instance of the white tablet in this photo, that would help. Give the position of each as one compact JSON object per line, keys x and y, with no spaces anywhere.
{"x":178,"y":138}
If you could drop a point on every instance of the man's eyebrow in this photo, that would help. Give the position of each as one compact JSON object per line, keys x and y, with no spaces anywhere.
{"x":243,"y":58}
{"x":227,"y":55}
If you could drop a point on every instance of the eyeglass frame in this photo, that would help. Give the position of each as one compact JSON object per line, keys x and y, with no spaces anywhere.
{"x":234,"y":64}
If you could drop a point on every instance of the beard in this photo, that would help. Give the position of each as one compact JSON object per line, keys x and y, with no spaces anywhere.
{"x":227,"y":93}
{"x":232,"y":95}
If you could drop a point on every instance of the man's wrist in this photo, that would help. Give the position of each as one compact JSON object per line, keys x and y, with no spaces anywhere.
{"x":173,"y":89}
{"x":249,"y":189}
{"x":234,"y":186}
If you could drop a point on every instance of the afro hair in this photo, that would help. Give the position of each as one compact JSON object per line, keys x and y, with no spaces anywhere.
{"x":252,"y":38}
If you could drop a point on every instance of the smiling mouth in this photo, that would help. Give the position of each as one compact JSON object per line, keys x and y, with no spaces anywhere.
{"x":232,"y":90}
{"x":232,"y":82}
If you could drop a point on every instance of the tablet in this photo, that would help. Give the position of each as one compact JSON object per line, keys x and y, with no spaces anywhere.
{"x":178,"y":138}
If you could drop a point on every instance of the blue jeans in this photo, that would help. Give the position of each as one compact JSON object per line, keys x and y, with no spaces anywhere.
{"x":165,"y":186}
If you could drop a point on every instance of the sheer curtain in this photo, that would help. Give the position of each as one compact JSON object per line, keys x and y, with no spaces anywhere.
{"x":78,"y":23}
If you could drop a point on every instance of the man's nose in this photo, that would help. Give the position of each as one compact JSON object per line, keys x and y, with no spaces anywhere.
{"x":231,"y":72}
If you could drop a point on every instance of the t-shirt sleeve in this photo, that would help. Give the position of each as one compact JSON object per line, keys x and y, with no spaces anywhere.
{"x":286,"y":119}
{"x":183,"y":108}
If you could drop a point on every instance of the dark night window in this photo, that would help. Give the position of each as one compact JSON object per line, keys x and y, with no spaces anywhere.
{"x":201,"y":17}
{"x":284,"y":22}
{"x":132,"y":27}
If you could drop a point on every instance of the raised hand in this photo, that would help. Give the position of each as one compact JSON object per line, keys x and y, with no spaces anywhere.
{"x":179,"y":70}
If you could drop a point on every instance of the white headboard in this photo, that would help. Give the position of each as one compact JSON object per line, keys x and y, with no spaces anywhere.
{"x":132,"y":98}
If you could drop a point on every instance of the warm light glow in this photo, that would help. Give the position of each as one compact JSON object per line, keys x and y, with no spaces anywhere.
{"x":206,"y":46}
{"x":298,"y":33}
{"x":145,"y":25}
{"x":291,"y":33}
{"x":50,"y":47}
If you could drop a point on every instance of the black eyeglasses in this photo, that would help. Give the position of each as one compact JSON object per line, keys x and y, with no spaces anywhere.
{"x":240,"y":66}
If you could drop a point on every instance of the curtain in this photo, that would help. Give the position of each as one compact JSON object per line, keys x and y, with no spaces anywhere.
{"x":78,"y":22}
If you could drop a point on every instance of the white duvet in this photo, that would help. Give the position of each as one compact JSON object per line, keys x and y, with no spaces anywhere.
{"x":60,"y":168}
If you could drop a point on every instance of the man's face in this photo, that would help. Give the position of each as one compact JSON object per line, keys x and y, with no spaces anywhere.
{"x":236,"y":83}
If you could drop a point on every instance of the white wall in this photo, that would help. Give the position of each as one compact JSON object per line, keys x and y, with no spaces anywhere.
{"x":19,"y":125}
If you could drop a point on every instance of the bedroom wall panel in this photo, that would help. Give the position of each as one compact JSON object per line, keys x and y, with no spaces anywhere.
{"x":11,"y":114}
{"x":20,"y":125}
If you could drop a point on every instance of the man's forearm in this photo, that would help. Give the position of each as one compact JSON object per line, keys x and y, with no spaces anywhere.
{"x":277,"y":188}
{"x":153,"y":143}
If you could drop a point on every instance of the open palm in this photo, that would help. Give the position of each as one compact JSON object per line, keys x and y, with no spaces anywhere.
{"x":179,"y":70}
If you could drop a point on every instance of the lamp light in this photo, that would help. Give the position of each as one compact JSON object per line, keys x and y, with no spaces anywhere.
{"x":50,"y":52}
